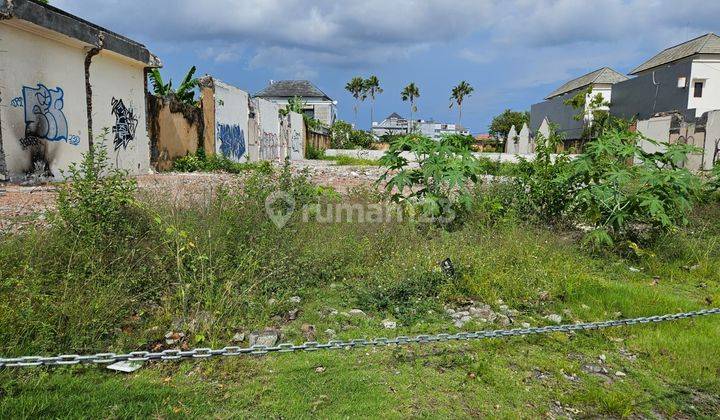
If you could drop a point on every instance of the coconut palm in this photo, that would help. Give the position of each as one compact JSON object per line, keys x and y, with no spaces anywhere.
{"x":372,"y":89}
{"x":410,"y":93}
{"x":356,"y":87}
{"x":459,"y":93}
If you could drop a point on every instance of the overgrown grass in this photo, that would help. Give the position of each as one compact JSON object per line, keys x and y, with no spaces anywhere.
{"x":212,"y":271}
{"x":200,"y":162}
{"x":343,"y":160}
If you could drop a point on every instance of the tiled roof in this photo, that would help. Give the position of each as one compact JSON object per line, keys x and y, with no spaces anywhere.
{"x":706,"y":44}
{"x":603,"y":75}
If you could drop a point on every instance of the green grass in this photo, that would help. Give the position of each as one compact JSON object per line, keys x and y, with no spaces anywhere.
{"x":211,"y":271}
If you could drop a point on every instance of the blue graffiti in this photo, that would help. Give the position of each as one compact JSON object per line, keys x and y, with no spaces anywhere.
{"x":74,"y":140}
{"x":232,"y":140}
{"x":44,"y":118}
{"x":17,"y":102}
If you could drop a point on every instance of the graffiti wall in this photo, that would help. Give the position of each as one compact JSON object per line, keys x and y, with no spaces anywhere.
{"x":269,"y":144}
{"x":297,"y":136}
{"x":42,"y":104}
{"x":231,"y":122}
{"x":119,"y":111}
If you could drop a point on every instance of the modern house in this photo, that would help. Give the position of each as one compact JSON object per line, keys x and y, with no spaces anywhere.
{"x":393,"y":124}
{"x":601,"y":81}
{"x":684,"y":78}
{"x":317,"y":104}
{"x":67,"y":83}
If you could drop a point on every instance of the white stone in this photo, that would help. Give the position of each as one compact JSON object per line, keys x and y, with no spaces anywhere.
{"x":295,"y":299}
{"x":389,"y":324}
{"x":356,"y":312}
{"x":554,"y":318}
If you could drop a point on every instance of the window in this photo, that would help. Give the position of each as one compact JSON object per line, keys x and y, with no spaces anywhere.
{"x":698,"y":89}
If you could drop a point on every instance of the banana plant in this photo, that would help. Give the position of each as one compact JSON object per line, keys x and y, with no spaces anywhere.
{"x":185,"y":93}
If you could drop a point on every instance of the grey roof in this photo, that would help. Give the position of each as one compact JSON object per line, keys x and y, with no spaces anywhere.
{"x":291,"y":88}
{"x":706,"y":44}
{"x":603,"y":75}
{"x":60,"y":21}
{"x":394,"y":115}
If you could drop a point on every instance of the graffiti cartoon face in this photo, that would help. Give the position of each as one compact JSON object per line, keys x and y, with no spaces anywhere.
{"x":44,"y":118}
{"x":125,"y":124}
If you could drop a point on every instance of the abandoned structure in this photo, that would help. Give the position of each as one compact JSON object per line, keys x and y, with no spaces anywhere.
{"x":64,"y":82}
{"x":316,"y":104}
{"x":393,"y":124}
{"x":554,"y":109}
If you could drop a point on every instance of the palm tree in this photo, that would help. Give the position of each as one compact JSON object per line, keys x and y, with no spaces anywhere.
{"x":459,"y":93}
{"x":372,"y":88}
{"x":356,"y":86}
{"x":410,"y":93}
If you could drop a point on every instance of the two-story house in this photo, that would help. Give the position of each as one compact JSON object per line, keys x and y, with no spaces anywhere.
{"x":684,"y":78}
{"x":316,"y":104}
{"x":602,"y":81}
{"x":393,"y":124}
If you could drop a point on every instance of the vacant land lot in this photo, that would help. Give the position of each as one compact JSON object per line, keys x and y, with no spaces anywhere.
{"x":197,"y":263}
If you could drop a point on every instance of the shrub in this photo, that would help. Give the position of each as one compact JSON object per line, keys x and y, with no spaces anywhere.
{"x":96,"y":199}
{"x":343,"y":136}
{"x":200,"y":162}
{"x":623,"y":191}
{"x":440,"y":184}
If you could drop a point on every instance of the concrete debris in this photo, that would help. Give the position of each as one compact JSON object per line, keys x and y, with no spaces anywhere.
{"x":238,"y":338}
{"x":308,"y":331}
{"x":293,"y":314}
{"x":330,"y":333}
{"x":295,"y":299}
{"x":554,"y":318}
{"x":173,"y":338}
{"x":268,"y":337}
{"x":389,"y":324}
{"x":357,"y":313}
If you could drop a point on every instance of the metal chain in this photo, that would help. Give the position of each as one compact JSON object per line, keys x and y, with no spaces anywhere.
{"x":202,"y":353}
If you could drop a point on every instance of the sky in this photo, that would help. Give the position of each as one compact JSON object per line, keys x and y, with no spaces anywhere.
{"x":513,"y":52}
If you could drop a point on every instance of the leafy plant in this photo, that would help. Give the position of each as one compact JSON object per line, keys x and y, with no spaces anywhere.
{"x":97,"y":198}
{"x":439,"y":186}
{"x":185,"y":93}
{"x":295,"y":104}
{"x":623,"y":191}
{"x":343,"y":136}
{"x":200,"y":162}
{"x":500,"y":124}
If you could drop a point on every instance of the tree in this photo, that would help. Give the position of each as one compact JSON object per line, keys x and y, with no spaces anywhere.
{"x":500,"y":125}
{"x":410,"y":93}
{"x":372,"y":88}
{"x":592,"y":111}
{"x":356,"y":87}
{"x":459,"y":93}
{"x":185,"y":93}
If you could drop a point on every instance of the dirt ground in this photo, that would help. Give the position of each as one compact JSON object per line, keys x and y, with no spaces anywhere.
{"x":22,"y":205}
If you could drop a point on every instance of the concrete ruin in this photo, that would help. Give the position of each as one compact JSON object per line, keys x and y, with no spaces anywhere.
{"x":64,"y":83}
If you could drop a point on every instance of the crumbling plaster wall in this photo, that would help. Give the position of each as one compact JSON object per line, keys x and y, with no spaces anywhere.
{"x":46,"y":70}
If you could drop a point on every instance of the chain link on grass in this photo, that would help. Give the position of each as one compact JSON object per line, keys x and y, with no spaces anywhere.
{"x":203,"y":353}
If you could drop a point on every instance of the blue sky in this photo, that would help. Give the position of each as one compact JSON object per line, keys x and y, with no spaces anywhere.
{"x":513,"y":52}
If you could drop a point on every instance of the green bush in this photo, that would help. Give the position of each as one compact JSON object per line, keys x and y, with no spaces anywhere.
{"x":439,"y":187}
{"x":97,"y":199}
{"x":623,"y":191}
{"x":200,"y":162}
{"x":343,"y":136}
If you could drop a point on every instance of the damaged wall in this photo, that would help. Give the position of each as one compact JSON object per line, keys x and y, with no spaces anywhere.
{"x":176,"y":130}
{"x":44,"y":118}
{"x":62,"y":79}
{"x":118,"y":98}
{"x":297,"y":136}
{"x":269,"y":146}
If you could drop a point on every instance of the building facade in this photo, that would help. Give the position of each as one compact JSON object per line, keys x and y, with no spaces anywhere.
{"x":554,"y":109}
{"x":684,"y":79}
{"x":316,"y":104}
{"x":66,"y":84}
{"x":394,"y":124}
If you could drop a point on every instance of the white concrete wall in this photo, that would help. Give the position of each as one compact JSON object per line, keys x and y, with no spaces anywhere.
{"x":231,"y":122}
{"x":297,"y":136}
{"x":54,"y":69}
{"x":269,"y":145}
{"x":711,"y":153}
{"x":377,"y":154}
{"x":705,"y":68}
{"x":657,"y":129}
{"x":118,"y":106}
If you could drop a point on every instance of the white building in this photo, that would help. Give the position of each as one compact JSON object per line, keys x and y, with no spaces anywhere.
{"x":317,"y":104}
{"x":601,"y":81}
{"x":394,"y":124}
{"x":684,"y":78}
{"x":63,"y":81}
